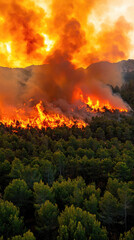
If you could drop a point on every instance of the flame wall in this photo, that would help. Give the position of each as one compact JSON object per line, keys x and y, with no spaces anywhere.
{"x":65,"y":36}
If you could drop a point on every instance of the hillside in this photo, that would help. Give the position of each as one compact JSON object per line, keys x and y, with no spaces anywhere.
{"x":69,"y":183}
{"x":97,"y":70}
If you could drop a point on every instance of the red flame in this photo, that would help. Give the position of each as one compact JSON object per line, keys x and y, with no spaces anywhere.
{"x":38,"y":118}
{"x":64,"y":37}
{"x":95,"y":104}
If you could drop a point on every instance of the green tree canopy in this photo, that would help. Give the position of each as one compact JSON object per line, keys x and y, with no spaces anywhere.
{"x":47,"y":219}
{"x":74,"y":223}
{"x":42,"y":193}
{"x":109,"y":208}
{"x":26,"y":236}
{"x":10,"y":222}
{"x":128,"y":235}
{"x":18,"y":193}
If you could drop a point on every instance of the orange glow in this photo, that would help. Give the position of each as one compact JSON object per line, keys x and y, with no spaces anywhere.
{"x":38,"y":118}
{"x":64,"y":37}
{"x":100,"y":106}
{"x":84,"y":31}
{"x":94,"y":104}
{"x":48,"y":43}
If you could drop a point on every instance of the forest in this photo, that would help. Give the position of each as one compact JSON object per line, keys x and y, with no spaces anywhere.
{"x":67,"y":63}
{"x":68,"y":183}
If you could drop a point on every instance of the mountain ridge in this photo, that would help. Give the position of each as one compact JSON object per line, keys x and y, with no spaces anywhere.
{"x":125,"y":65}
{"x":106,"y":72}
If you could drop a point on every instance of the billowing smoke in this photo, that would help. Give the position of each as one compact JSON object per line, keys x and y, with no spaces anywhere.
{"x":62,"y":40}
{"x":57,"y":85}
{"x":83,"y":31}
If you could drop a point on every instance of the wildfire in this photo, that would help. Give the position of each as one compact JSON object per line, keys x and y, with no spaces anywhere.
{"x":63,"y":39}
{"x":94,"y":104}
{"x":38,"y":118}
{"x":83,"y":30}
{"x":101,"y":106}
{"x":48,"y":43}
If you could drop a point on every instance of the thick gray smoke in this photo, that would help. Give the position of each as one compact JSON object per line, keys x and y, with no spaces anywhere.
{"x":55,"y":83}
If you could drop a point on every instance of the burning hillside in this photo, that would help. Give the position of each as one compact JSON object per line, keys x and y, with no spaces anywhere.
{"x":53,"y":95}
{"x":63,"y":40}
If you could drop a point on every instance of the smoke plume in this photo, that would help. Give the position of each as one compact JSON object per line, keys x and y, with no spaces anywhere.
{"x":62,"y":40}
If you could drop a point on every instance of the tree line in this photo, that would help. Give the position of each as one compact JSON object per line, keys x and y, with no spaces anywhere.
{"x":68,"y":183}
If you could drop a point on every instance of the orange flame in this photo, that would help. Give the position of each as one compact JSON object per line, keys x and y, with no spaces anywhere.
{"x":95,"y":104}
{"x":38,"y":118}
{"x":67,"y":35}
{"x":100,"y":106}
{"x":84,"y":31}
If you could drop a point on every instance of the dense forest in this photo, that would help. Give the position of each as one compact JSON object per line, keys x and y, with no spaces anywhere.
{"x":68,"y":184}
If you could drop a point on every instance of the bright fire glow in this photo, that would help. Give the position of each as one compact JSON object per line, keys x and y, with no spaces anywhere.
{"x":94,"y":104}
{"x":65,"y":36}
{"x":38,"y":118}
{"x":5,"y":47}
{"x":101,"y":106}
{"x":48,"y":43}
{"x":86,"y":31}
{"x":8,"y":47}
